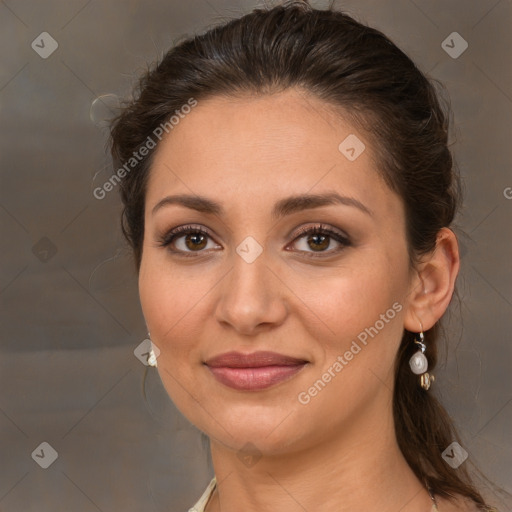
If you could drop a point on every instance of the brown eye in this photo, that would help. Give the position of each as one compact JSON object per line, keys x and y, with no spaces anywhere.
{"x":186,"y":240}
{"x":195,"y":241}
{"x":318,"y":242}
{"x":319,"y":239}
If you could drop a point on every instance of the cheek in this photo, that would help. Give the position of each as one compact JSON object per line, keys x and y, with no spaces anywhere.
{"x":349,"y":300}
{"x":360,"y":311}
{"x":171,"y":304}
{"x":174,"y":303}
{"x":161,"y":307}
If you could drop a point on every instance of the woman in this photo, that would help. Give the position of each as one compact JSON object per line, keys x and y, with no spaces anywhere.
{"x":288,"y":192}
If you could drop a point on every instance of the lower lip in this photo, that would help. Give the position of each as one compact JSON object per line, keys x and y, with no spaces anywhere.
{"x":253,"y":379}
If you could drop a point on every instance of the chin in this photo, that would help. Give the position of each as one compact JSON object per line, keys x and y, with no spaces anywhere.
{"x":266,"y":432}
{"x":256,"y":442}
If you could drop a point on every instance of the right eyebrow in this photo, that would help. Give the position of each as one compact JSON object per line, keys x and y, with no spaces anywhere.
{"x":198,"y":203}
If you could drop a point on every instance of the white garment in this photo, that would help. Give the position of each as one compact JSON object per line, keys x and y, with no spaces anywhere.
{"x":203,"y":500}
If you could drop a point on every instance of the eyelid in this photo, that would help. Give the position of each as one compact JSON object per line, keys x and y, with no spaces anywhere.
{"x":320,"y":227}
{"x":339,"y":236}
{"x":170,"y":236}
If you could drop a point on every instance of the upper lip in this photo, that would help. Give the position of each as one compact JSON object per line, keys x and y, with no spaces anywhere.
{"x":253,"y":360}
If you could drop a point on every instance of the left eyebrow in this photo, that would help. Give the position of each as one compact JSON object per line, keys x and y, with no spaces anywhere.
{"x":297,"y":203}
{"x":283,"y":207}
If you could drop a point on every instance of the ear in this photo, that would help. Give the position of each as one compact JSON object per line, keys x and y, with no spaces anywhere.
{"x":432,"y":284}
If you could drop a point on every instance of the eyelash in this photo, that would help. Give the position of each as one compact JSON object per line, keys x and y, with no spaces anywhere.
{"x":167,"y":239}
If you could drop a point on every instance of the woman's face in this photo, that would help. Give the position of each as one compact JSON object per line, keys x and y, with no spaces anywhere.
{"x":255,"y":282}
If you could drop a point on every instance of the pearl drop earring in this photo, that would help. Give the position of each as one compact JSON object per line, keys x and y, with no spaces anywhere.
{"x":152,"y":356}
{"x":419,"y":363}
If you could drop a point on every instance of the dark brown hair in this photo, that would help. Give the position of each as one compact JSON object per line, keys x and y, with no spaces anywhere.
{"x":361,"y":74}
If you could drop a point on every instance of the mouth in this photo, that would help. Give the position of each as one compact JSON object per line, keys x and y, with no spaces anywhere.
{"x":253,"y":372}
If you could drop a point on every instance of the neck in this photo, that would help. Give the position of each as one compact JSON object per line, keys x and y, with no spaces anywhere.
{"x":363,"y":469}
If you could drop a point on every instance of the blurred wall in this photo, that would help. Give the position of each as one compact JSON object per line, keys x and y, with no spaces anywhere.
{"x":70,"y":318}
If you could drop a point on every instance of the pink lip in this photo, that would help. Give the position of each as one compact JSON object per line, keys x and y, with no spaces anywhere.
{"x":255,"y":371}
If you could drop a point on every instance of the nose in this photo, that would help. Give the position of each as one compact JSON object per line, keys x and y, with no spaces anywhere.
{"x":251,"y":297}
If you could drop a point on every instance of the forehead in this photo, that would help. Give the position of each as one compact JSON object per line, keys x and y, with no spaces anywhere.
{"x":249,"y":147}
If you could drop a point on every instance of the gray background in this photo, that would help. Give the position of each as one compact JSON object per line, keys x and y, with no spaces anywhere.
{"x":70,"y":318}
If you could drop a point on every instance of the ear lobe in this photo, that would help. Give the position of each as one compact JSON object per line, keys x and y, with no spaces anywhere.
{"x":432,"y":288}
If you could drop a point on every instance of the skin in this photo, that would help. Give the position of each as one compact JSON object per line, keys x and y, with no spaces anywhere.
{"x":339,"y":449}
